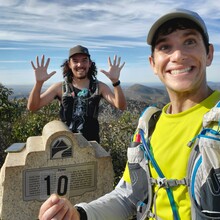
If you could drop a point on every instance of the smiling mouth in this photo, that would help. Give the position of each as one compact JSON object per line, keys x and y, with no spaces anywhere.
{"x":80,"y":70}
{"x":176,"y":72}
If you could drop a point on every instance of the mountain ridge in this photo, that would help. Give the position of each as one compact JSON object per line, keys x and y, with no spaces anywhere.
{"x":152,"y":93}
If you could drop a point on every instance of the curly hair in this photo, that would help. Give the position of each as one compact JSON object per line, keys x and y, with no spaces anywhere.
{"x":67,"y":72}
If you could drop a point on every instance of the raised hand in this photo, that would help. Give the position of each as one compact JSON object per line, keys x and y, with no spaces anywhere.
{"x":40,"y":70}
{"x":114,"y":70}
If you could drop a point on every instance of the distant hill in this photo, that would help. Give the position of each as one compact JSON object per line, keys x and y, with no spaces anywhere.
{"x":155,"y":94}
{"x":214,"y":85}
{"x":21,"y":91}
{"x":149,"y":95}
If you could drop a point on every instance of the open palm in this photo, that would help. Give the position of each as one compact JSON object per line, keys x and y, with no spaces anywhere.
{"x":114,"y":70}
{"x":40,"y":70}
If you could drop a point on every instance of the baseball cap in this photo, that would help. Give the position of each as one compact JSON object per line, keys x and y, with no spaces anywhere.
{"x":78,"y":49}
{"x":177,"y":13}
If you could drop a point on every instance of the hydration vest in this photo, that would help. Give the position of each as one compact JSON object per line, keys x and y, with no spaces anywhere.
{"x":203,"y":175}
{"x":79,"y":109}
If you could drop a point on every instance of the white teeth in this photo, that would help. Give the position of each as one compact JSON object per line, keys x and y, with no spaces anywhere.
{"x":174,"y":72}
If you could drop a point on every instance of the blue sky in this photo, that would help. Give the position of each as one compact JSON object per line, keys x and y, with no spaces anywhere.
{"x":34,"y":27}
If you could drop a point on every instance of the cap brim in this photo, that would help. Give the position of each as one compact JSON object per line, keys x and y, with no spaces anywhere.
{"x":176,"y":14}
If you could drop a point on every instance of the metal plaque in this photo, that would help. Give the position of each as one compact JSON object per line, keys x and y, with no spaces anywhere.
{"x":69,"y":181}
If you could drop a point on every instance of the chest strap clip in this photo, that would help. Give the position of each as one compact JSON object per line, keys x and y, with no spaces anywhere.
{"x":167,"y":183}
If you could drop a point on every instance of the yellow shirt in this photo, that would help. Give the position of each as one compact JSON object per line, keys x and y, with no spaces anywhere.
{"x":169,"y":146}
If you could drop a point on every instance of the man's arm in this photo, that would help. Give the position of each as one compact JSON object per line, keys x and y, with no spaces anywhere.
{"x":36,"y":100}
{"x":117,"y":97}
{"x":117,"y":205}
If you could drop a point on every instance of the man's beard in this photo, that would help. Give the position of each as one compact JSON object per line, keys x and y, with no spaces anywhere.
{"x":81,"y":77}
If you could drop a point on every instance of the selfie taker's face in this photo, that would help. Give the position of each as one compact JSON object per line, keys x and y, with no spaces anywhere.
{"x":180,"y":60}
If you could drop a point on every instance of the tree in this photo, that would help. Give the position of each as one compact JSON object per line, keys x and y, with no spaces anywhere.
{"x":31,"y":124}
{"x":7,"y":114}
{"x":116,"y":131}
{"x":115,"y":138}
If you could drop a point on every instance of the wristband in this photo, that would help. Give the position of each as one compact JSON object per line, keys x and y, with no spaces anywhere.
{"x":116,"y":83}
{"x":82,"y":212}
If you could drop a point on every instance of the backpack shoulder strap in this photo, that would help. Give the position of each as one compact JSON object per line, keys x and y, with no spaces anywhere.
{"x":94,"y":86}
{"x":143,"y":195}
{"x":204,"y":167}
{"x":146,"y":125}
{"x":212,"y":116}
{"x":67,"y":88}
{"x":148,"y":120}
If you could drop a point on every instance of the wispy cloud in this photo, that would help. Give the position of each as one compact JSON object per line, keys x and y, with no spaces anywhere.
{"x":56,"y":22}
{"x":28,"y":27}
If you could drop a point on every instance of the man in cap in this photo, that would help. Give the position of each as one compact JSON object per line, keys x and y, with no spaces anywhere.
{"x":80,"y":93}
{"x":180,"y":53}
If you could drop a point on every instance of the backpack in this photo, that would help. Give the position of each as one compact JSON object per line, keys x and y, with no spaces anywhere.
{"x":68,"y":96}
{"x":203,"y":174}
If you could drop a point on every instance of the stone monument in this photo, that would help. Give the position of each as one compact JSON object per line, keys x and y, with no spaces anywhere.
{"x":56,"y":162}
